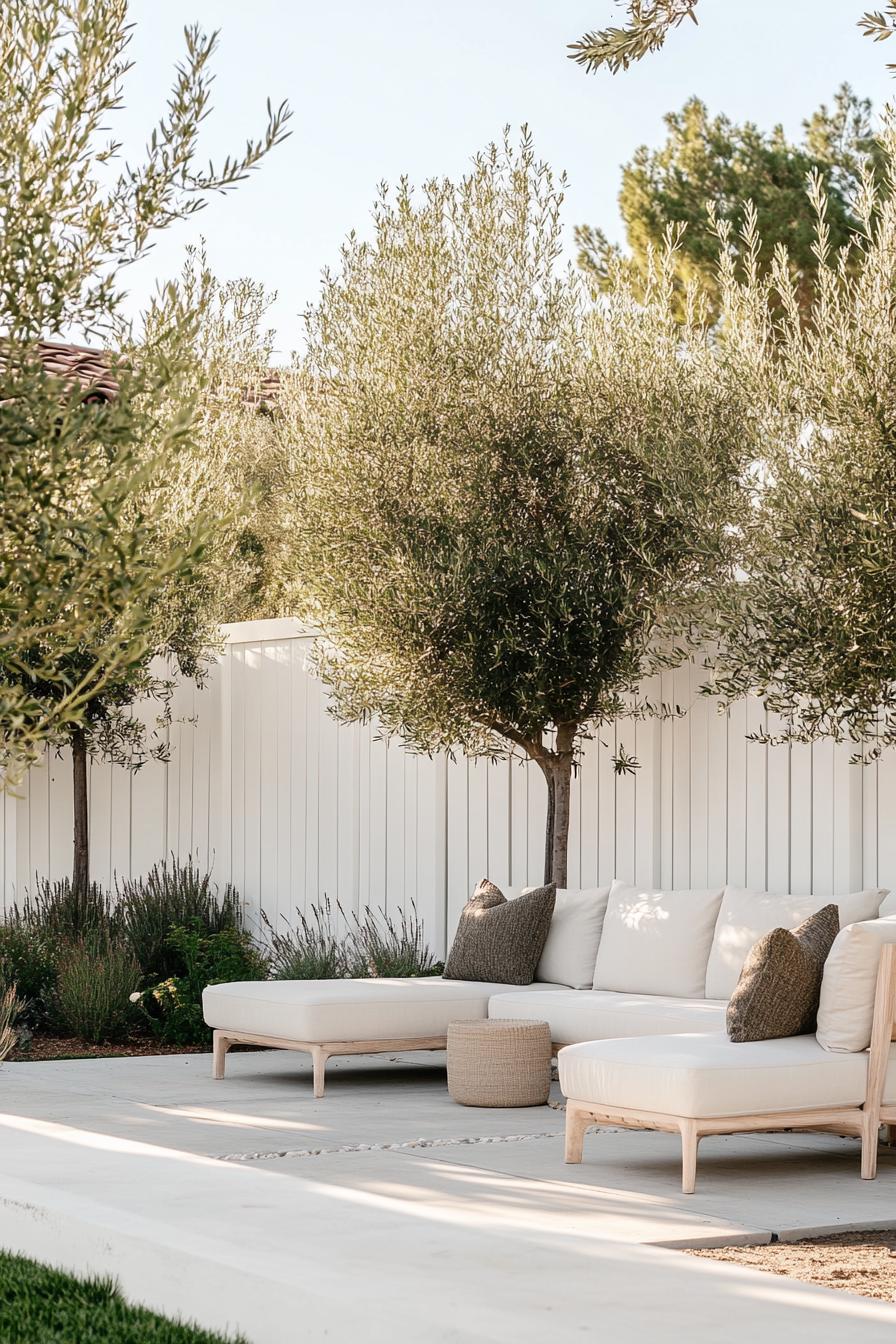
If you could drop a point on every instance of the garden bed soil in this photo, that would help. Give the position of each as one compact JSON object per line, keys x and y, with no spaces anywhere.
{"x":856,"y":1262}
{"x":44,"y":1048}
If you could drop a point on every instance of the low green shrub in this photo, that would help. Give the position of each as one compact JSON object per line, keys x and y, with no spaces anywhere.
{"x":172,"y":895}
{"x":312,"y":950}
{"x":174,"y":1006}
{"x":39,"y":1305}
{"x":95,"y":981}
{"x":28,"y":960}
{"x":64,"y":911}
{"x":381,"y":944}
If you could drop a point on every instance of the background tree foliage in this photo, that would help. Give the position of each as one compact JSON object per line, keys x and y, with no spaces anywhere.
{"x":504,"y":493}
{"x":712,"y":159}
{"x":83,"y":494}
{"x":809,"y":619}
{"x":651,"y":21}
{"x":649,"y":24}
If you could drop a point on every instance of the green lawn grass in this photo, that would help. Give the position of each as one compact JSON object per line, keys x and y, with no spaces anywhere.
{"x":39,"y":1305}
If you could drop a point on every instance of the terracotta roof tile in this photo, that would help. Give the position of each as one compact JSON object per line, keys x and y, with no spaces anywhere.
{"x":80,"y":363}
{"x":91,"y":368}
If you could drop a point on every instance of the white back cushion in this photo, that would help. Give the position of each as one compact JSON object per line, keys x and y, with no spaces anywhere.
{"x":847,"y":986}
{"x":746,"y":915}
{"x":574,"y":937}
{"x":656,"y":942}
{"x":888,"y":904}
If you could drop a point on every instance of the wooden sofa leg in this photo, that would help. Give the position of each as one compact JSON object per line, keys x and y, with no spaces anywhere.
{"x":576,"y":1123}
{"x":220,"y":1046}
{"x":689,"y":1141}
{"x":870,"y":1137}
{"x":319,"y":1057}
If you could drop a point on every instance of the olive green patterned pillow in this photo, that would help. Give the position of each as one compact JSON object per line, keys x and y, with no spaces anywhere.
{"x":777,"y":993}
{"x":501,"y":941}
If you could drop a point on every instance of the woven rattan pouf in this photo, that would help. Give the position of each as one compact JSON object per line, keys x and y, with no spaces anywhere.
{"x":499,"y":1062}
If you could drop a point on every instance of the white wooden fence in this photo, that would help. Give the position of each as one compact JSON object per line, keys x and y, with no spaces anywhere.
{"x":267,"y":788}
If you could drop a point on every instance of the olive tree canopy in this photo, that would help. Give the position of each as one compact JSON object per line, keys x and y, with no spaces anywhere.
{"x":506,"y":497}
{"x":83,"y":499}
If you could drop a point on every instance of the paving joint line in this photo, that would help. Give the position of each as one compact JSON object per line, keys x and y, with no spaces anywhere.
{"x":407,"y":1146}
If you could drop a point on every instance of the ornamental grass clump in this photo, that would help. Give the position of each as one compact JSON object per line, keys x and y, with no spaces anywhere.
{"x":65,"y":911}
{"x":381,"y":944}
{"x":95,"y":981}
{"x":173,"y":894}
{"x":311,"y":949}
{"x":10,"y":1012}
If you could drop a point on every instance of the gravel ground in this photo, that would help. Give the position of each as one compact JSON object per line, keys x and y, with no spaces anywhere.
{"x":857,"y":1262}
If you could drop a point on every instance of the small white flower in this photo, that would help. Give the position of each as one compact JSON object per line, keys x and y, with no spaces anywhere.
{"x":136,"y":996}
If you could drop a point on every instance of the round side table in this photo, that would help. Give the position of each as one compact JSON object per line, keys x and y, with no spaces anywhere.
{"x":499,"y":1062}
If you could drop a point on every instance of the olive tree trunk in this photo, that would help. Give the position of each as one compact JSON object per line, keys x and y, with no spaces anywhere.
{"x":557,"y":766}
{"x":81,"y":854}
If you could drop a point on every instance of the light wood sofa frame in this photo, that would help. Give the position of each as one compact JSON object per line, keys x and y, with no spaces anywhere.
{"x":320,"y":1051}
{"x":863,"y":1121}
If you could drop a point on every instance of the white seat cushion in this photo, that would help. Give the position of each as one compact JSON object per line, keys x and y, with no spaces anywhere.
{"x":657,"y":942}
{"x":349,"y":1010}
{"x":703,"y":1076}
{"x":746,"y":915}
{"x":595,"y":1014}
{"x":846,"y":1006}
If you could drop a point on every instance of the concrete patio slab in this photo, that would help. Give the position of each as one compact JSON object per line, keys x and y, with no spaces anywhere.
{"x":414,"y":1217}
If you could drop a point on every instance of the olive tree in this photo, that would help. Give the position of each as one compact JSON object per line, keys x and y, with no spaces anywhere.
{"x":83,"y":496}
{"x":506,"y":497}
{"x":198,"y":493}
{"x":808,"y":621}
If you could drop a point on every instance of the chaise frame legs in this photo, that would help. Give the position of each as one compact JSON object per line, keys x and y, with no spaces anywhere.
{"x":320,"y":1051}
{"x":577,"y":1121}
{"x":862,"y":1121}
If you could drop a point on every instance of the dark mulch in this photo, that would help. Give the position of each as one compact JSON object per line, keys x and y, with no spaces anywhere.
{"x":45,"y":1048}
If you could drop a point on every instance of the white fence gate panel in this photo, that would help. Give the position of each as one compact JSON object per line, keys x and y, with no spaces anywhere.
{"x":288,"y":805}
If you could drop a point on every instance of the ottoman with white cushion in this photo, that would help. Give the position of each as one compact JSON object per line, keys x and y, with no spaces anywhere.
{"x":706,"y":1084}
{"x":343,"y":1017}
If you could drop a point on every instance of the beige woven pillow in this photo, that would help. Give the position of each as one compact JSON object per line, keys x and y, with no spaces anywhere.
{"x":777,"y":993}
{"x":500,"y":941}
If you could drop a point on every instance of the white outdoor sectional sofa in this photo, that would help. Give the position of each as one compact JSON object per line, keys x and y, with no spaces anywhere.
{"x":620,"y":962}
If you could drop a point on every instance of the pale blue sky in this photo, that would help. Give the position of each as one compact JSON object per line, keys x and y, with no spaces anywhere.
{"x":384,"y":87}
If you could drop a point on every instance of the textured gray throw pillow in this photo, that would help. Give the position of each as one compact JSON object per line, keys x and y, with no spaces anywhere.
{"x":777,"y":993}
{"x":501,"y":941}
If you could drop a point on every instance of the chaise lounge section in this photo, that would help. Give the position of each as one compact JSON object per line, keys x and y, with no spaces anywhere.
{"x":344,"y":1017}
